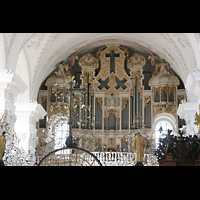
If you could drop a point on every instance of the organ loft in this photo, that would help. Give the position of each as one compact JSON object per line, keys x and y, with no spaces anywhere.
{"x":129,"y":89}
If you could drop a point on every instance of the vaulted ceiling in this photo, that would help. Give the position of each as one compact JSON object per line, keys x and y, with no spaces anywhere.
{"x":42,"y":51}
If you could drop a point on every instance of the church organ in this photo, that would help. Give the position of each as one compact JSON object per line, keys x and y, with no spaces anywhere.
{"x":125,"y":93}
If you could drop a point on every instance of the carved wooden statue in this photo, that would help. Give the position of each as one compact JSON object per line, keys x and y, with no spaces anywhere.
{"x":139,"y":143}
{"x":2,"y":145}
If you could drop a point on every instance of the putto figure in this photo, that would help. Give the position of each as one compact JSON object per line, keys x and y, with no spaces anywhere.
{"x":72,"y":59}
{"x":153,"y":59}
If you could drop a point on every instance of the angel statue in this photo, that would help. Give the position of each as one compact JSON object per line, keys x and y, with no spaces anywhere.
{"x":163,"y":65}
{"x":153,"y":59}
{"x":72,"y":59}
{"x":61,"y":67}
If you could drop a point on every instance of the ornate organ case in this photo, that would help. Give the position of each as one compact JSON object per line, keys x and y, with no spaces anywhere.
{"x":115,"y":91}
{"x":116,"y":102}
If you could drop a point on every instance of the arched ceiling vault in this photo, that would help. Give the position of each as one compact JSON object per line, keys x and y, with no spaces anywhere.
{"x":44,"y":50}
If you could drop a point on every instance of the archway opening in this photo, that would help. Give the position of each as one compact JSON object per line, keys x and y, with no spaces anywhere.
{"x":161,"y":130}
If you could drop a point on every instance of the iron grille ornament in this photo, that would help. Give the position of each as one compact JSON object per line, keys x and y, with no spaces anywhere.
{"x":13,"y":155}
{"x":70,"y":155}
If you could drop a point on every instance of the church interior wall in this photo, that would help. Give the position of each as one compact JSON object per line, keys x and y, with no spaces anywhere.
{"x":14,"y":60}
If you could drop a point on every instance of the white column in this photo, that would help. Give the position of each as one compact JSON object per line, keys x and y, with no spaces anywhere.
{"x":27,"y":114}
{"x":187,"y":111}
{"x":10,"y":86}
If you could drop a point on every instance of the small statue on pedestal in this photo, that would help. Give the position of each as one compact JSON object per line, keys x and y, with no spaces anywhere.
{"x":111,"y":101}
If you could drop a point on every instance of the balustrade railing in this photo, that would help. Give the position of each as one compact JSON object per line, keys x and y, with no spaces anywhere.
{"x":118,"y":159}
{"x":124,"y":158}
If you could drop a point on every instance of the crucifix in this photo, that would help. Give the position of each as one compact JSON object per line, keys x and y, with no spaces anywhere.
{"x":112,"y":56}
{"x":69,"y":141}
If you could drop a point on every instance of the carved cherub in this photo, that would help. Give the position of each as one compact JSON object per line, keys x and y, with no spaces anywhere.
{"x":72,"y":59}
{"x":153,"y":59}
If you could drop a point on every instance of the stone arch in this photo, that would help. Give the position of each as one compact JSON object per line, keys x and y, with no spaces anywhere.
{"x":2,"y":52}
{"x":18,"y":41}
{"x":154,"y":43}
{"x":23,"y":71}
{"x":195,"y":43}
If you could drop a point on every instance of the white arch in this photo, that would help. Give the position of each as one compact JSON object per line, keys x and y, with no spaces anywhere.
{"x":166,"y":117}
{"x":195,"y":48}
{"x":18,"y":41}
{"x":22,"y":71}
{"x":63,"y":49}
{"x":2,"y":53}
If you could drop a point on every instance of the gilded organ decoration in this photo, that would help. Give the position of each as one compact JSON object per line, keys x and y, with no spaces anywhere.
{"x":116,"y":101}
{"x":159,"y":108}
{"x":61,"y":66}
{"x":88,"y":61}
{"x":181,"y":98}
{"x":147,"y":99}
{"x":164,"y":86}
{"x":124,"y":103}
{"x":136,"y":61}
{"x":72,"y":59}
{"x":115,"y":112}
{"x":112,"y":80}
{"x":112,"y":143}
{"x":153,"y":59}
{"x":112,"y":72}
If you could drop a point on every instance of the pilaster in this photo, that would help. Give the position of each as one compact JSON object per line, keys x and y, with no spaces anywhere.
{"x":10,"y":86}
{"x":27,"y":114}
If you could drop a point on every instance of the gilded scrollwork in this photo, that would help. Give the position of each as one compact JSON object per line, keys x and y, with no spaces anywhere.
{"x":124,"y":102}
{"x":168,"y":91}
{"x":147,"y":99}
{"x":99,"y":101}
{"x":136,"y":60}
{"x":159,"y":108}
{"x":138,"y":75}
{"x":62,"y":108}
{"x":43,"y":99}
{"x":88,"y":60}
{"x":120,"y":72}
{"x":90,"y":77}
{"x":115,"y":112}
{"x":181,"y":98}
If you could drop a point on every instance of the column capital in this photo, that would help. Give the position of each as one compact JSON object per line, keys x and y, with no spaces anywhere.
{"x":10,"y":86}
{"x":34,"y":110}
{"x":186,"y":110}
